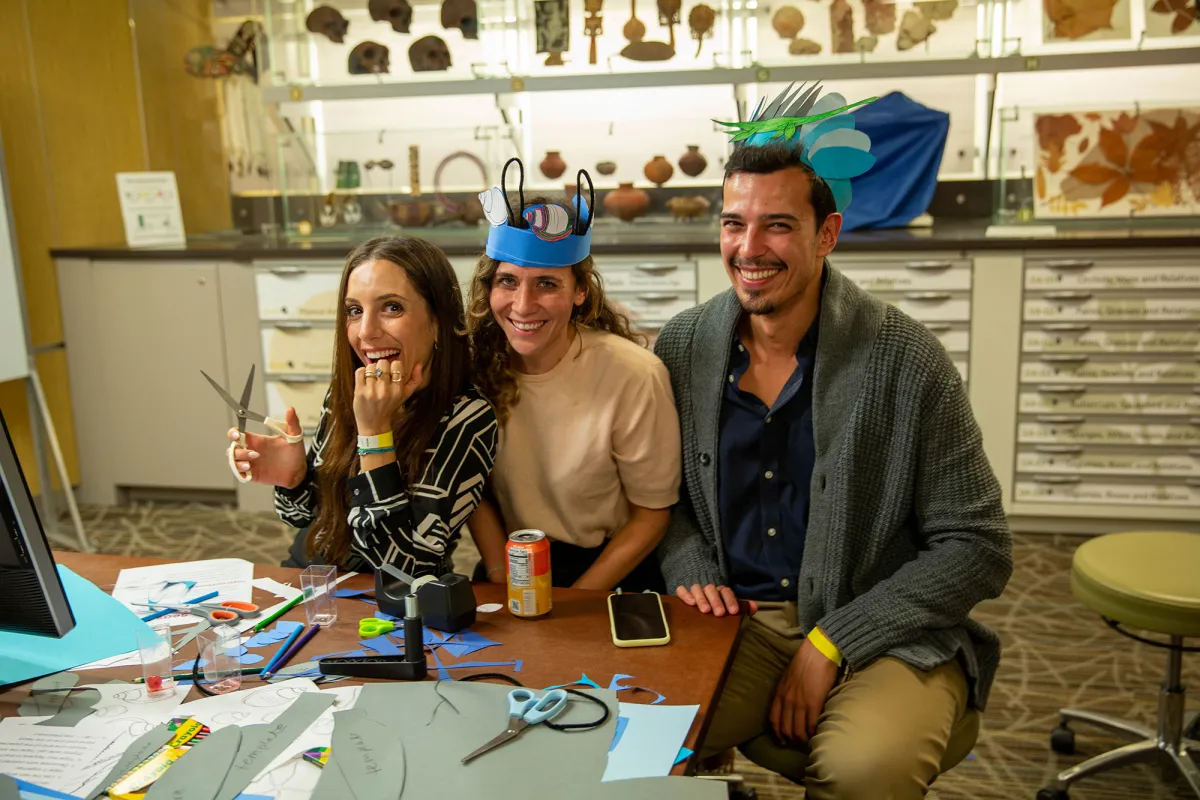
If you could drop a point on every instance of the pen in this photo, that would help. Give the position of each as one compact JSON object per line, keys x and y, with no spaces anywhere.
{"x":279,"y":653}
{"x":295,"y":601}
{"x":187,"y":676}
{"x":295,"y":648}
{"x":166,"y":611}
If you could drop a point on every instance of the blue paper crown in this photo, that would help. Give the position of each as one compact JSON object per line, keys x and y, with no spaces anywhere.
{"x":539,"y":236}
{"x":822,"y":128}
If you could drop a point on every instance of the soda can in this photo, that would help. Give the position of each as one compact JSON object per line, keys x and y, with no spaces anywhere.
{"x":528,"y":553}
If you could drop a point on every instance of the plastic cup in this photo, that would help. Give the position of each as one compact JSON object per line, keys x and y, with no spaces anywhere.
{"x":220,"y":659}
{"x":318,"y":584}
{"x":154,"y":649}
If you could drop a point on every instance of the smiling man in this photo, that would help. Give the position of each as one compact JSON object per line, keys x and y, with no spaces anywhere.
{"x":835,"y":491}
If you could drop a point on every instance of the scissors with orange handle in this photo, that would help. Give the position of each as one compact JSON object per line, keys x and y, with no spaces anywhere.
{"x":243,"y":414}
{"x":225,"y":613}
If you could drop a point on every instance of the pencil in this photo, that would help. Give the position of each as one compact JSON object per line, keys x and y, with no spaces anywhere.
{"x":165,"y":611}
{"x":279,"y":653}
{"x":295,"y":601}
{"x":295,"y":648}
{"x":187,"y":676}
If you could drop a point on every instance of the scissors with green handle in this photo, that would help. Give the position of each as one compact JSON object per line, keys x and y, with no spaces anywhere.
{"x":243,"y":413}
{"x":524,"y":709}
{"x":371,"y":627}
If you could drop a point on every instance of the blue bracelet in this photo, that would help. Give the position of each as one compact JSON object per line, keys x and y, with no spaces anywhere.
{"x":368,"y":451}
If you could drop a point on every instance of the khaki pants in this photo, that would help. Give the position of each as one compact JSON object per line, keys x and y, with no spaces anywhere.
{"x":886,"y":733}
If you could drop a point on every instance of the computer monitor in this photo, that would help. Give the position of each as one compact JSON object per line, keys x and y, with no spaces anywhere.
{"x":32,"y":599}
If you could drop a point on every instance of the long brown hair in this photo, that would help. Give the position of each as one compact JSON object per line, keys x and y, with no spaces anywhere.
{"x":433,"y":278}
{"x":490,"y":353}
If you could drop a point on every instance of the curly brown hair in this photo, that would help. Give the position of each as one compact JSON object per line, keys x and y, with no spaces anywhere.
{"x":490,"y":363}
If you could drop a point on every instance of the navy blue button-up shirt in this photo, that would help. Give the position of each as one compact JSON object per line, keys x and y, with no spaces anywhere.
{"x":766,"y":462}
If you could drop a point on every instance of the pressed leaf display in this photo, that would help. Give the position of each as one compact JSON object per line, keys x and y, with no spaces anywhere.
{"x":1117,"y":163}
{"x":1171,"y":18}
{"x":1074,"y":20}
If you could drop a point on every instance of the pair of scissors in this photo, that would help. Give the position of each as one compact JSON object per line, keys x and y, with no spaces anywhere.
{"x":243,"y":414}
{"x":524,"y":709}
{"x":214,"y":613}
{"x":371,"y":627}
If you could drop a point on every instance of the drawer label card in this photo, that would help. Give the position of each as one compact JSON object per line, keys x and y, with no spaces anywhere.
{"x":1126,"y":310}
{"x":1109,"y":463}
{"x":1110,"y":372}
{"x":1161,"y":341}
{"x":1110,"y":493}
{"x":1183,"y":435}
{"x":1110,"y":277}
{"x":1092,"y":403}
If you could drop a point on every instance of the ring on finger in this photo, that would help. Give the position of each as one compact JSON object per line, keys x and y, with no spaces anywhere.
{"x":378,"y":371}
{"x":397,"y":377}
{"x":368,"y":374}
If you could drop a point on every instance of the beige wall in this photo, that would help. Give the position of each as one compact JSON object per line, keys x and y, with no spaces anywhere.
{"x":70,"y":116}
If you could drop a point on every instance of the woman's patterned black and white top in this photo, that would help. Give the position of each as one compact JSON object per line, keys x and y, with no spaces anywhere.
{"x":416,"y":527}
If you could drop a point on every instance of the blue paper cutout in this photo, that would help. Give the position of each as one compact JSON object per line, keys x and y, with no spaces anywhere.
{"x":684,"y":755}
{"x":621,"y":723}
{"x":25,"y":788}
{"x":382,"y":645}
{"x":615,"y":684}
{"x":516,"y":665}
{"x":388,"y":617}
{"x":276,"y":635}
{"x":815,"y":130}
{"x":584,"y":680}
{"x":443,"y":675}
{"x":352,"y":592}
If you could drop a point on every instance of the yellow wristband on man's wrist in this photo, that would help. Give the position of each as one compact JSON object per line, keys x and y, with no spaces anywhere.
{"x":824,"y":646}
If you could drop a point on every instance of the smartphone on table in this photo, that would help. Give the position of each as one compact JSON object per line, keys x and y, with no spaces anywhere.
{"x":637,"y":619}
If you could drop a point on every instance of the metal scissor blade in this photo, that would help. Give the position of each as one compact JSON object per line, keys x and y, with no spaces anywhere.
{"x":192,"y":633}
{"x":505,"y":735}
{"x":224,"y":394}
{"x":247,"y":390}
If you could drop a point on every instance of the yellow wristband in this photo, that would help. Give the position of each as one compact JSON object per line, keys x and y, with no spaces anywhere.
{"x":824,"y":646}
{"x":374,"y":442}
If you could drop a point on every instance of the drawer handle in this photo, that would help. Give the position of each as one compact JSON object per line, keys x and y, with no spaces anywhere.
{"x":1062,"y":358}
{"x":1070,"y":263}
{"x":928,"y":296}
{"x":1060,"y":389}
{"x":293,"y":326}
{"x":1061,"y":419}
{"x":1057,"y":479}
{"x":1068,"y":295}
{"x":1194,"y":482}
{"x":298,"y":379}
{"x":938,"y":327}
{"x":656,"y":269}
{"x":1067,"y":327}
{"x":288,"y":270}
{"x":1063,"y":449}
{"x":1194,"y":451}
{"x":929,"y":265}
{"x":657,"y":297}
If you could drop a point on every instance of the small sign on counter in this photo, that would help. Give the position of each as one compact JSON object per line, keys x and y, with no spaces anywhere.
{"x":150,"y":207}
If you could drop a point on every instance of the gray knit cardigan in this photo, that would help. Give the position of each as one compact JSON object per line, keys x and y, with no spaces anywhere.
{"x":906,"y":532}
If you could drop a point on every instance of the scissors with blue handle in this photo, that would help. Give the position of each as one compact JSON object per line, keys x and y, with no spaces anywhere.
{"x":524,"y":709}
{"x":243,"y":414}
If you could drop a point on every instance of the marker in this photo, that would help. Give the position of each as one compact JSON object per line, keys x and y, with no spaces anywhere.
{"x":295,"y":648}
{"x":295,"y":601}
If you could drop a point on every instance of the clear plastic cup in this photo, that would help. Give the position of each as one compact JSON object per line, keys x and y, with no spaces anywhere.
{"x":318,"y":584}
{"x":220,"y":659}
{"x":154,"y":649}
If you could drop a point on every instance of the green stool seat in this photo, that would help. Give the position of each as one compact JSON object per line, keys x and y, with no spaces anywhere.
{"x":1148,"y":580}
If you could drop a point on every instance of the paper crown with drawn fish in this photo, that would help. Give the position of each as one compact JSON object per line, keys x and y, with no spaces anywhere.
{"x":821,"y":127}
{"x":542,"y":235}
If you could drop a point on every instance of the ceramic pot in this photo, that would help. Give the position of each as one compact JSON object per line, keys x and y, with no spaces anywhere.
{"x":552,"y":165}
{"x":692,"y":162}
{"x":627,"y":202}
{"x":410,"y":213}
{"x":658,"y":170}
{"x":606,"y":167}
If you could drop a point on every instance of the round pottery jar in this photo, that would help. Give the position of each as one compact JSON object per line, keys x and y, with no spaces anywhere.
{"x":692,"y":162}
{"x":552,"y":165}
{"x":658,"y":170}
{"x":627,"y":202}
{"x":606,"y":167}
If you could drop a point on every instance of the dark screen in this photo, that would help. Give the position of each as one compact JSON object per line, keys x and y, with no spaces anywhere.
{"x":638,"y":616}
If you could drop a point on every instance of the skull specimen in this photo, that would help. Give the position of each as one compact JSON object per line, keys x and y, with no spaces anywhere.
{"x":397,"y":12}
{"x":368,"y":58}
{"x":461,"y":14}
{"x":429,"y":54}
{"x":328,"y":21}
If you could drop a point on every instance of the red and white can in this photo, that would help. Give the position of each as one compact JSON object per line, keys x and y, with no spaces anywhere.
{"x":528,"y":553}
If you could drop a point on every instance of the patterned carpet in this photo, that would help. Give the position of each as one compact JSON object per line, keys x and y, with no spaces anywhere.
{"x":1056,"y":654}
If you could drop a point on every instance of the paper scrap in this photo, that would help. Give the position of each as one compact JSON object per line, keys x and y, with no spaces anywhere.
{"x":488,"y":608}
{"x":584,"y":680}
{"x":200,"y":772}
{"x":352,"y":592}
{"x":103,"y":628}
{"x":382,"y":645}
{"x":621,"y":723}
{"x":247,"y":707}
{"x":30,"y":791}
{"x":280,"y":590}
{"x":369,"y":757}
{"x":9,"y":789}
{"x":684,"y":755}
{"x":123,"y":759}
{"x":651,"y":741}
{"x":56,"y":758}
{"x":47,"y":695}
{"x":615,"y":684}
{"x":229,"y":577}
{"x":282,"y":630}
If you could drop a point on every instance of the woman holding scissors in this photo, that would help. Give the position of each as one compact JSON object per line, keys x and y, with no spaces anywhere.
{"x":590,"y":449}
{"x":404,"y":443}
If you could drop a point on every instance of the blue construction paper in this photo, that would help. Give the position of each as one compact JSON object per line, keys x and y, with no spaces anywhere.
{"x":651,"y":741}
{"x":382,"y":645}
{"x":35,"y":792}
{"x":684,"y":755}
{"x":516,"y":665}
{"x":584,"y":680}
{"x":462,"y":650}
{"x":443,"y":675}
{"x":615,"y":684}
{"x":352,"y":592}
{"x":276,"y":635}
{"x":103,"y":628}
{"x":388,"y":617}
{"x":621,"y":723}
{"x":250,"y":659}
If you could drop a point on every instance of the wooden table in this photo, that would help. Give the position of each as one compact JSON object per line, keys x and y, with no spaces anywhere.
{"x":572,"y":640}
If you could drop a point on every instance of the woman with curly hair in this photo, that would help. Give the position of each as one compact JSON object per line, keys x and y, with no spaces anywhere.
{"x":589,"y":443}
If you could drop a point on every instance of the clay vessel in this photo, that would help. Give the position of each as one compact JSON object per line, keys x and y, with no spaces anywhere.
{"x":552,"y":165}
{"x":606,"y":167}
{"x":685,"y":208}
{"x":692,"y":162}
{"x":787,"y":22}
{"x":658,"y":170}
{"x":626,"y":202}
{"x":410,"y":213}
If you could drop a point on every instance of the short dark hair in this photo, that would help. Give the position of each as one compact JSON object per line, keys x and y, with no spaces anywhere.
{"x":768,"y":158}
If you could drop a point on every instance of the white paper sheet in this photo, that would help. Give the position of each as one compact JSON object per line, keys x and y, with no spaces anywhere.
{"x":56,"y":758}
{"x":230,"y":577}
{"x":650,"y":742}
{"x":276,"y":588}
{"x":246,"y":707}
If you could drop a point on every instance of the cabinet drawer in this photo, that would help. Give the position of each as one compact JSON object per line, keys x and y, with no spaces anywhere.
{"x":305,"y":395}
{"x":1083,"y":369}
{"x":945,"y":275}
{"x":1073,"y":273}
{"x":1085,"y":306}
{"x":1078,"y":400}
{"x":1076,"y":460}
{"x":291,"y":293}
{"x":303,"y":349}
{"x":1071,"y":429}
{"x":963,"y":368}
{"x":1080,"y":338}
{"x":954,"y":339}
{"x":655,"y":276}
{"x":655,"y":306}
{"x":936,"y":306}
{"x":1049,"y":490}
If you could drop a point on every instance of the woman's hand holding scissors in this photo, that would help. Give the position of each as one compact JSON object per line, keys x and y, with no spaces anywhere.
{"x":380,"y":390}
{"x":276,"y":462}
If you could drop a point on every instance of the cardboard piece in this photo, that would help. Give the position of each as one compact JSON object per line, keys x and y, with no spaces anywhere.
{"x":200,"y":772}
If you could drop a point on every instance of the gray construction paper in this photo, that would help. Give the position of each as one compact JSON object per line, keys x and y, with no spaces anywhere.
{"x":332,"y":784}
{"x":142,"y":748}
{"x":78,"y":705}
{"x":8,"y":788}
{"x":47,"y":695}
{"x":199,"y":773}
{"x":369,"y":755}
{"x":262,"y":743}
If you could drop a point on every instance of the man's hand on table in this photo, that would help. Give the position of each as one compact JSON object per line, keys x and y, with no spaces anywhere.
{"x":718,"y":600}
{"x":801,"y":694}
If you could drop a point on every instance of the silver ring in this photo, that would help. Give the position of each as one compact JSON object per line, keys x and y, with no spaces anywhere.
{"x":368,"y":374}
